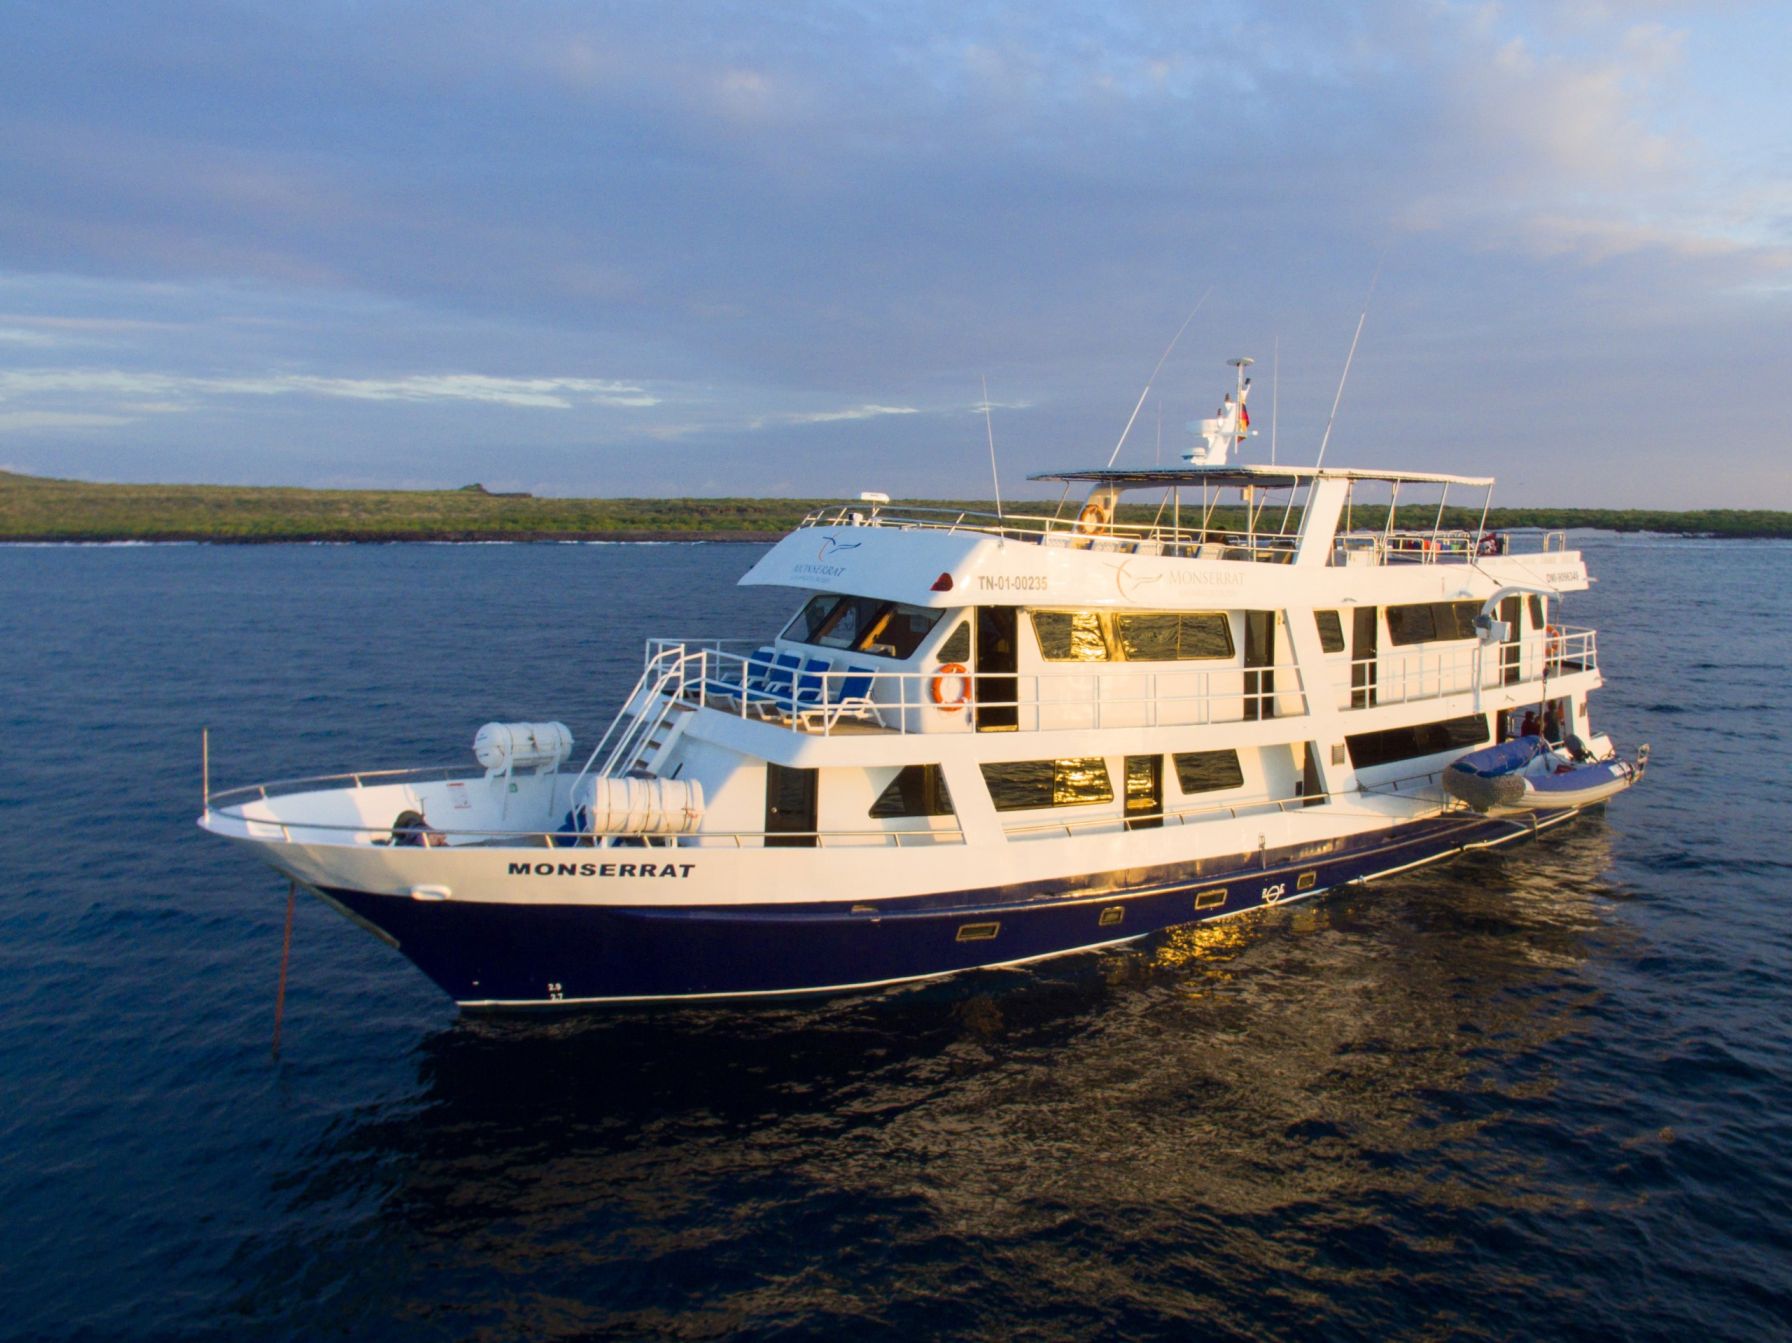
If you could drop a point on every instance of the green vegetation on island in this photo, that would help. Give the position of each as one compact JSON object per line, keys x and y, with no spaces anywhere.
{"x":37,"y":508}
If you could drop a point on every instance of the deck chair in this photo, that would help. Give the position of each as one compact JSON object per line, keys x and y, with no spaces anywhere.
{"x":753,"y":672}
{"x":849,"y":697}
{"x":778,"y":689}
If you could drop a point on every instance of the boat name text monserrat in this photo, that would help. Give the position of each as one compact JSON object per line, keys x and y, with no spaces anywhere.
{"x":679,"y":870}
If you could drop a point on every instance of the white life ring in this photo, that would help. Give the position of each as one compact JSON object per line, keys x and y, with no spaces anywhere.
{"x":951,"y":671}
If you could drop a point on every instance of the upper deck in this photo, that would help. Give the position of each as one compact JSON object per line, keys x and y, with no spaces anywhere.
{"x":1155,"y":538}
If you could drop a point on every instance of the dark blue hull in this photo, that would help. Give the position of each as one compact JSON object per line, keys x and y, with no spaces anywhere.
{"x":509,"y":955}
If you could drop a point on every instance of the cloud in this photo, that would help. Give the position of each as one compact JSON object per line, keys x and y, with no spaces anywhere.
{"x":838,"y":216}
{"x":169,"y":391}
{"x":539,"y":393}
{"x":835,"y":416}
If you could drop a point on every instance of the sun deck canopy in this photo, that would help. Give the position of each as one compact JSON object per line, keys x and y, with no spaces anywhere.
{"x":1240,"y":477}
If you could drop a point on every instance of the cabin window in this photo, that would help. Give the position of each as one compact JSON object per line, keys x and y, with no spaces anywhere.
{"x":1423,"y":622}
{"x":862,"y":625}
{"x":1208,"y":771}
{"x":1022,"y":785}
{"x":1167,"y":636}
{"x":957,"y":647}
{"x":1537,"y":620}
{"x":1070,"y":636}
{"x":917,"y":790}
{"x":1173,"y":636}
{"x":1331,"y":631}
{"x":1407,"y":743}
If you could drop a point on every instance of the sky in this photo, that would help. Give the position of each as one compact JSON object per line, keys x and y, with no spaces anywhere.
{"x":782,"y":248}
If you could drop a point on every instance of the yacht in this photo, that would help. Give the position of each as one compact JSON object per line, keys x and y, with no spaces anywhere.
{"x":1180,"y":694}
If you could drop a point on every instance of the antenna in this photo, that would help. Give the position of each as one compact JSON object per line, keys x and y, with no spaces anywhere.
{"x":1347,"y":358}
{"x":1148,"y":381}
{"x":989,"y":425}
{"x":1275,"y":397}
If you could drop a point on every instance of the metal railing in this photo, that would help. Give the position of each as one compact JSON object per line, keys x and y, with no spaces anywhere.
{"x":1401,"y":675}
{"x":1407,"y":545}
{"x":1093,"y":695}
{"x":1436,"y":545}
{"x":556,"y":841}
{"x":1141,"y":538}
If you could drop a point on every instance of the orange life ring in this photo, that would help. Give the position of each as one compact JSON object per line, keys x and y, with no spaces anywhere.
{"x":952,"y":671}
{"x":1093,"y":520}
{"x":1554,"y":636}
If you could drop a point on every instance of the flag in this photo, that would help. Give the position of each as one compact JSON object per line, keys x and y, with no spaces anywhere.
{"x":1244,"y":419}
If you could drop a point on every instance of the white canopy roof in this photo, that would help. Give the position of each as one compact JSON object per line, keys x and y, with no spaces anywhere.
{"x":1236,"y":477}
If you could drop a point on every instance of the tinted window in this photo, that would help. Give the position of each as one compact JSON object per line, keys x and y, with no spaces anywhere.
{"x":863,"y":625}
{"x":957,"y":647}
{"x":1407,"y":743}
{"x":1456,"y":620}
{"x":1070,"y":636}
{"x":1331,"y":631}
{"x":1169,"y":636}
{"x":1536,"y":612}
{"x":1425,"y":621}
{"x":1411,"y":624}
{"x":917,"y":790}
{"x":1021,"y":785}
{"x":813,"y":618}
{"x":1208,"y":771}
{"x":1173,"y":636}
{"x":903,"y":629}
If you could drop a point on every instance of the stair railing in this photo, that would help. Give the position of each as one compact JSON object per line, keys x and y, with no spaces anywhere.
{"x":629,"y":732}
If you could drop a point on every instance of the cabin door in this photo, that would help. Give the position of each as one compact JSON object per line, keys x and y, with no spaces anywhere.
{"x":1363,"y":655}
{"x":1312,"y":788}
{"x":1511,"y":611}
{"x":789,"y":807}
{"x":997,"y":661}
{"x":1144,"y":792}
{"x":1259,"y":657}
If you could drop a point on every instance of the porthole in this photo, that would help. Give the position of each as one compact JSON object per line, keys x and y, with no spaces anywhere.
{"x":978,"y":932}
{"x":1210,"y":899}
{"x":1111,"y":916}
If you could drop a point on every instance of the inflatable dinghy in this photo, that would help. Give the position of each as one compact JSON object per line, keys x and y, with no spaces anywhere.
{"x":1529,"y":774}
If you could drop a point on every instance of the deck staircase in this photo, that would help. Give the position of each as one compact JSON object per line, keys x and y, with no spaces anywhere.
{"x":657,"y":739}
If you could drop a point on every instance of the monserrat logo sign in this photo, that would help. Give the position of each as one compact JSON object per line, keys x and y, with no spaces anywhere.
{"x":819,"y":572}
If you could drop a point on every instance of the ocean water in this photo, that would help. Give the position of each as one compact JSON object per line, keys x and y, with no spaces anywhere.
{"x":1544,"y":1092}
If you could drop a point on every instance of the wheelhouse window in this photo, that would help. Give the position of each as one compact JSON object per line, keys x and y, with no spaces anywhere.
{"x":917,"y":790}
{"x":957,"y":646}
{"x":1208,"y":771}
{"x":1408,"y":743}
{"x":1331,"y":631}
{"x":862,"y":625}
{"x":1423,"y":622}
{"x":1156,"y":636}
{"x":1022,"y":785}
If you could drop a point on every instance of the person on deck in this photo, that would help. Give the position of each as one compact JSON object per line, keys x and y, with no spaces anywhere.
{"x":1528,"y":728}
{"x":1552,"y":724}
